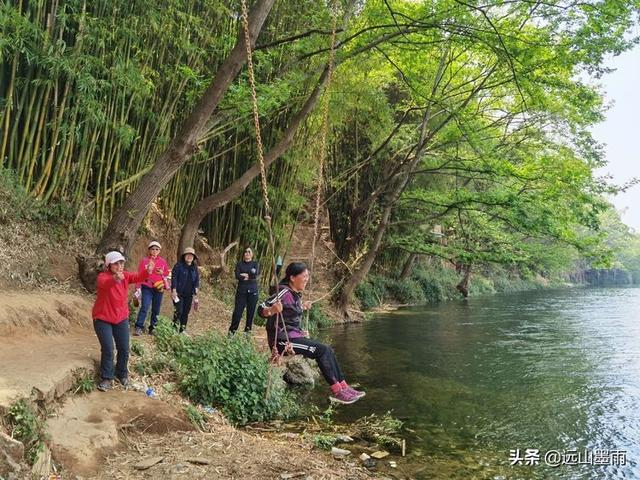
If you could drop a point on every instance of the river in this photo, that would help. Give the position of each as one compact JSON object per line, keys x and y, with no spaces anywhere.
{"x":492,"y":381}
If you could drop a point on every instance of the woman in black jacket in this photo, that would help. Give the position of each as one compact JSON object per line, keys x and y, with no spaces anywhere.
{"x":185,"y":283}
{"x":247,"y":271}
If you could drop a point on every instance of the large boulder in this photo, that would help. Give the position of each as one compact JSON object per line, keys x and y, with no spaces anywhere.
{"x":300,"y":371}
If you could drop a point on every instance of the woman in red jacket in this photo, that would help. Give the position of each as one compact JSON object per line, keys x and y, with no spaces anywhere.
{"x":111,"y":317}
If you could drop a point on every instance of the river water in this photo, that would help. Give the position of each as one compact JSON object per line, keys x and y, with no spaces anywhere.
{"x":481,"y":381}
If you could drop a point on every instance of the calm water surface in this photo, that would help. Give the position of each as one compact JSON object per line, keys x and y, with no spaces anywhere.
{"x":546,"y":370}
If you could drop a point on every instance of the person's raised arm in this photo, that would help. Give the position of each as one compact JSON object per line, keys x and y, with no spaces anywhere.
{"x":141,"y":276}
{"x":105,"y":280}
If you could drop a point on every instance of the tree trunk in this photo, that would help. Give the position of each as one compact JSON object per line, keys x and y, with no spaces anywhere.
{"x":463,"y":286}
{"x":408,"y":266}
{"x":124,"y":225}
{"x":359,"y":274}
{"x":233,"y":191}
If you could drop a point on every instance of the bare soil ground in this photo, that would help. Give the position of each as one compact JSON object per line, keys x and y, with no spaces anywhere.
{"x":88,"y":428}
{"x":226,"y":452}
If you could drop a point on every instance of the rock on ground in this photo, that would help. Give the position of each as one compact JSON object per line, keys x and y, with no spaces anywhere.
{"x":300,"y":371}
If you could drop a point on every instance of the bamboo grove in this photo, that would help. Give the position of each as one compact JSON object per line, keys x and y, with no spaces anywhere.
{"x":93,"y":91}
{"x":466,"y":118}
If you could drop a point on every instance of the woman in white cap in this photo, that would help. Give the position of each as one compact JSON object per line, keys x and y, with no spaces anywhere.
{"x":150,"y":291}
{"x":111,"y":316}
{"x":185,"y":283}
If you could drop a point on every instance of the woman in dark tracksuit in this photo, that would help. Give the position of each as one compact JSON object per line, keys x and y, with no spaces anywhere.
{"x":247,"y":271}
{"x":288,"y":303}
{"x":185,"y":283}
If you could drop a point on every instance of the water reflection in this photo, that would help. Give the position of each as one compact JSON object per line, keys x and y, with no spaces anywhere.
{"x":543,"y":370}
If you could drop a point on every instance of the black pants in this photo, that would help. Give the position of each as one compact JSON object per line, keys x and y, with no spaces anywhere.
{"x":181,"y":311}
{"x":321,"y":353}
{"x":244,"y":299}
{"x":107,"y":333}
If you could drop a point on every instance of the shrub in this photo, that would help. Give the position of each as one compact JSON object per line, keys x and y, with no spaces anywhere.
{"x":366,"y":295}
{"x":479,"y":285}
{"x":380,"y":285}
{"x":84,"y":384}
{"x":17,"y":204}
{"x":155,"y":363}
{"x":373,"y":292}
{"x":195,"y":416}
{"x":437,"y":284}
{"x":318,"y":319}
{"x":27,"y":427}
{"x":137,"y":348}
{"x":227,"y":372}
{"x":323,"y":441}
{"x":381,"y":429}
{"x":406,"y":291}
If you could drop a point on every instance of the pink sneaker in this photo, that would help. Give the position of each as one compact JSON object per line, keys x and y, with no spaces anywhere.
{"x":344,"y":396}
{"x":356,"y":393}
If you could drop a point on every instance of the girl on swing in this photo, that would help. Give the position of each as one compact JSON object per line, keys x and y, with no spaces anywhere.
{"x":288,"y":302}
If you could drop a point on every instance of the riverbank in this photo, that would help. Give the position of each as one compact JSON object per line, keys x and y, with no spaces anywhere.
{"x":430,"y":283}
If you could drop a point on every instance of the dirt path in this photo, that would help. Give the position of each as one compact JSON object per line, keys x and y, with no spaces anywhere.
{"x":46,"y":338}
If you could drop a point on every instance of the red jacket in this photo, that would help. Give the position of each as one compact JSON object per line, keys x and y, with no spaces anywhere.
{"x":112,"y":305}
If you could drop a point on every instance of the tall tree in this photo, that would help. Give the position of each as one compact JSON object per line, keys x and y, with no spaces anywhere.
{"x":124,"y":224}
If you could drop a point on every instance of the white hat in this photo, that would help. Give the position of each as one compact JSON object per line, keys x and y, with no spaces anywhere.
{"x":154,"y":244}
{"x":113,"y":257}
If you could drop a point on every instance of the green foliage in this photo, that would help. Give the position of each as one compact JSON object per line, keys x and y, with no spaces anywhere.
{"x":165,"y":336}
{"x":407,"y":291}
{"x":425,"y":285}
{"x":27,"y":427}
{"x":373,"y":292}
{"x":318,"y":319}
{"x":137,"y":348}
{"x":227,"y":372}
{"x":480,"y":285}
{"x":157,"y":362}
{"x":324,"y":441}
{"x":503,"y":283}
{"x":196,"y":416}
{"x":133,"y":313}
{"x":381,"y":429}
{"x":367,"y":297}
{"x":437,"y":284}
{"x":16,"y":205}
{"x":84,"y":384}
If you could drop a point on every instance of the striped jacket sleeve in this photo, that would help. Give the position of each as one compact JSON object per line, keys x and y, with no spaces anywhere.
{"x":271,"y":300}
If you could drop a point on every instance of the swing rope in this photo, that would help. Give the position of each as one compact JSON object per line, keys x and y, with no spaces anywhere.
{"x":275,"y":355}
{"x":263,"y":173}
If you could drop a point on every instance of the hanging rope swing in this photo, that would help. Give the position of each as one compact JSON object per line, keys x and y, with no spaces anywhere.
{"x":276,"y":356}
